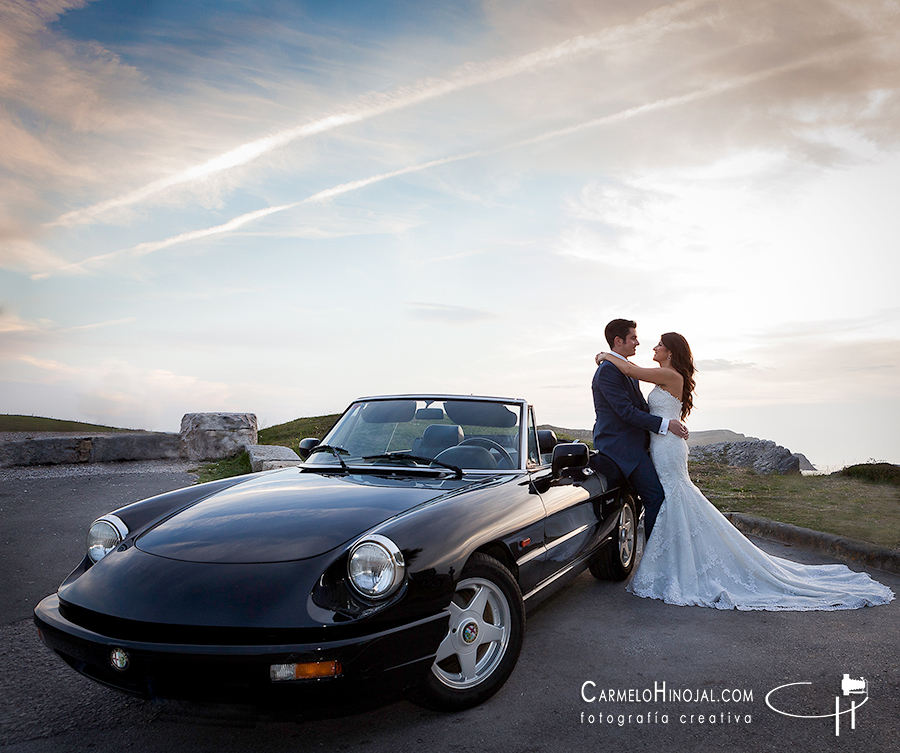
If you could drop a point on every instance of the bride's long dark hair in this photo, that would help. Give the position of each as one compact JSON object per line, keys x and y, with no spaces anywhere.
{"x":683,"y":363}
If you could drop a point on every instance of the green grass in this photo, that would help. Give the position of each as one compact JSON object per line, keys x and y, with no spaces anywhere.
{"x":877,"y":473}
{"x":236,"y":466}
{"x":284,"y":435}
{"x":37,"y":423}
{"x":837,"y":503}
{"x":290,"y":434}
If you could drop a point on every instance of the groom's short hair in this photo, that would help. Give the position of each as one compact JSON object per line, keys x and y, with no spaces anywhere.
{"x":618,"y":328}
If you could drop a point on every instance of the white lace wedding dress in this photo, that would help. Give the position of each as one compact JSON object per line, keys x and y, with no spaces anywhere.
{"x":696,"y":557}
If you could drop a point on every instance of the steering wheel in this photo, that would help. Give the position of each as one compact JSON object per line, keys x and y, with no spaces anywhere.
{"x":490,"y":444}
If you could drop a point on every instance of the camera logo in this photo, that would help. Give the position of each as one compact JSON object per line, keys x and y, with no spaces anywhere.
{"x":850,"y":689}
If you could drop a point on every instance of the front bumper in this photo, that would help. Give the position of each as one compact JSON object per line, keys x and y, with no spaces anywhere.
{"x":373,"y":665}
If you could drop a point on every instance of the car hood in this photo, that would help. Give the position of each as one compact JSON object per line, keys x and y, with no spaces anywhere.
{"x":286,"y":515}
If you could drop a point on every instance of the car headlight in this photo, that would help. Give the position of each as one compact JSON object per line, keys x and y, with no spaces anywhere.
{"x":376,"y":566}
{"x":105,"y":534}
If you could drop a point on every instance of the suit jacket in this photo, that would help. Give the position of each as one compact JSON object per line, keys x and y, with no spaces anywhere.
{"x":623,"y":418}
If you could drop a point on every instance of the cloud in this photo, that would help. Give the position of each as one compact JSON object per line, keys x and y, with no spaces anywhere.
{"x":807,"y":370}
{"x":112,"y":392}
{"x":10,"y":323}
{"x":426,"y":260}
{"x":723,"y":364}
{"x":238,"y":222}
{"x":54,"y":369}
{"x":448,"y":314}
{"x":832,"y":329}
{"x":57,"y":85}
{"x":142,"y":249}
{"x":690,"y":57}
{"x":65,"y":107}
{"x":644,"y":29}
{"x":121,"y":394}
{"x":22,"y":338}
{"x":839,"y":70}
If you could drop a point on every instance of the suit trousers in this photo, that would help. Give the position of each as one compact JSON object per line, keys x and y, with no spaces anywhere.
{"x":643,"y":480}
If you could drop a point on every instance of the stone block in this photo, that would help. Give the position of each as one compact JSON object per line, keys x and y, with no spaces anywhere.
{"x":274,"y":465}
{"x":47,"y":451}
{"x":136,"y":446}
{"x":266,"y":457}
{"x":213,"y":436}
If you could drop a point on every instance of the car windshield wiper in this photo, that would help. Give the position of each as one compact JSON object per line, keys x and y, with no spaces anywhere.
{"x":336,"y":451}
{"x":416,"y":459}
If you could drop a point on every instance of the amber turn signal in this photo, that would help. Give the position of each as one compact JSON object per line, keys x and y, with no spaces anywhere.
{"x":312,"y":670}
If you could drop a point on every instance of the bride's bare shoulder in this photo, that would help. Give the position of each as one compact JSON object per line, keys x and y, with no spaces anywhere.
{"x":672,"y":383}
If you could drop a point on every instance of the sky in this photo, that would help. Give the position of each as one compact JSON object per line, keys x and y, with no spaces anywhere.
{"x":278,"y":206}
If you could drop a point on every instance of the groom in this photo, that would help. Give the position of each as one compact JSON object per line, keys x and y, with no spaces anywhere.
{"x":623,"y":420}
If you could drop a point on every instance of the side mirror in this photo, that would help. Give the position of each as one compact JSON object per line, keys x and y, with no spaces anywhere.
{"x":566,"y":456}
{"x":306,"y":446}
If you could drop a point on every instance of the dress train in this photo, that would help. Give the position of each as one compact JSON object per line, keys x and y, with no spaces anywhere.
{"x":695,"y":556}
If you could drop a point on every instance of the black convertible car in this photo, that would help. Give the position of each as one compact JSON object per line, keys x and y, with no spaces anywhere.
{"x":400,"y":556}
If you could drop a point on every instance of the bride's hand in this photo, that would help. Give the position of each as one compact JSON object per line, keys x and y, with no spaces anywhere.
{"x":599,"y":358}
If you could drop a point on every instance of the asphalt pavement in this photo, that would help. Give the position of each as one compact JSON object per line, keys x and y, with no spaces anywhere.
{"x":600,"y":669}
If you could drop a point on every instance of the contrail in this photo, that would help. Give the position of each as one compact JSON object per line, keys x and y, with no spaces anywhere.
{"x":147,"y":248}
{"x":622,"y":115}
{"x":644,"y":29}
{"x":680,"y":99}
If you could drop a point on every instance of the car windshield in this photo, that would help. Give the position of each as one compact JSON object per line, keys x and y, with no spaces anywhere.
{"x":443,"y":433}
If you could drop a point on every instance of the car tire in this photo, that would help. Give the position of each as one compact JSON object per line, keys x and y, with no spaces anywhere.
{"x":483,"y":641}
{"x":617,"y":560}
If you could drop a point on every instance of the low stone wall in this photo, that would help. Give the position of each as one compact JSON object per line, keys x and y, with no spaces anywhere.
{"x":862,"y":552}
{"x":135,"y":446}
{"x":762,"y":455}
{"x":95,"y":449}
{"x":204,"y":436}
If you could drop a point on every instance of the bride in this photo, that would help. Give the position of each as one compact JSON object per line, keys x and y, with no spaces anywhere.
{"x":695,"y":556}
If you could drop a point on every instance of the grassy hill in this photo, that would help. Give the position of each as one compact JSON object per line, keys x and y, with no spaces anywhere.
{"x":700,"y":438}
{"x":697,"y":437}
{"x":861,"y":502}
{"x":290,"y":433}
{"x":570,"y":435}
{"x":10,"y":422}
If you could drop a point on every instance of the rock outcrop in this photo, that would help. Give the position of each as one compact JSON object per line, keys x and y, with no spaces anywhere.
{"x":762,"y":455}
{"x":213,"y":436}
{"x":805,"y":465}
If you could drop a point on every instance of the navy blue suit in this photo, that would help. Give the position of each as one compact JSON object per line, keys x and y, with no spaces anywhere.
{"x":621,"y":438}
